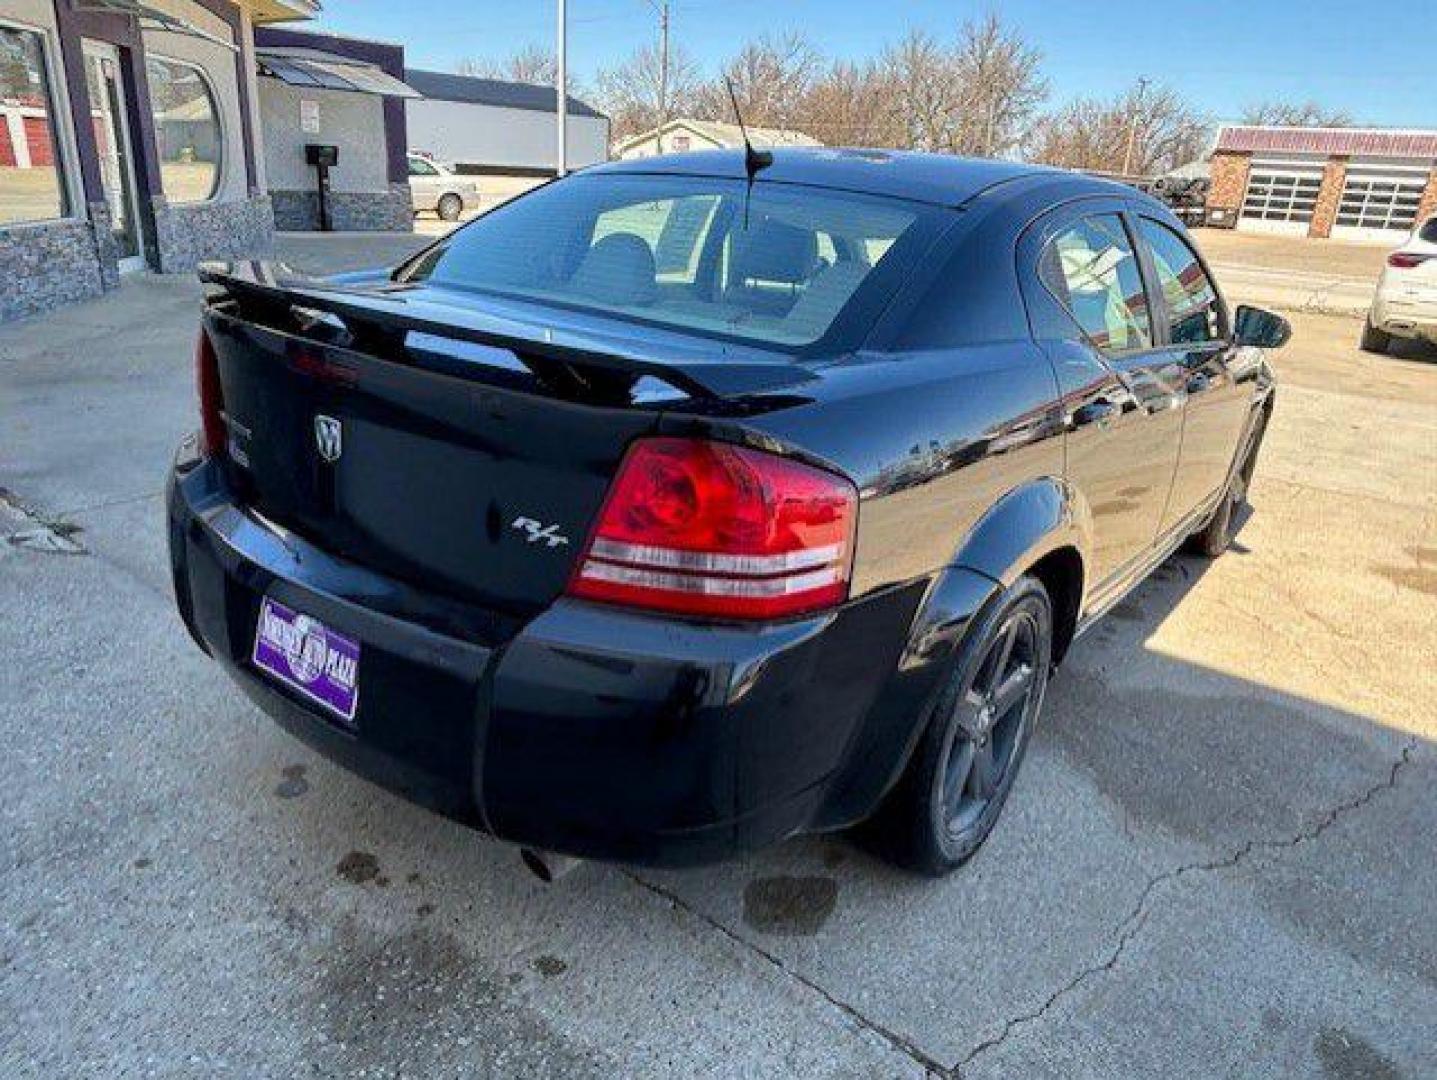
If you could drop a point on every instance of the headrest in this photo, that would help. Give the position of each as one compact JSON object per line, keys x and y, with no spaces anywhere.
{"x":618,"y":270}
{"x":769,"y":250}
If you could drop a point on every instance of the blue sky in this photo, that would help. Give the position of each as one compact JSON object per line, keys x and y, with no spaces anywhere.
{"x":1375,"y":60}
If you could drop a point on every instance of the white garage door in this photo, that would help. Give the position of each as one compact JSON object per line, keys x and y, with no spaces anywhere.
{"x":1280,"y":198}
{"x":1379,"y":204}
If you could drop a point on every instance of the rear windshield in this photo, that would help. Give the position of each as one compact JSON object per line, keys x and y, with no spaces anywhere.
{"x":783,"y":266}
{"x":1429,"y":230}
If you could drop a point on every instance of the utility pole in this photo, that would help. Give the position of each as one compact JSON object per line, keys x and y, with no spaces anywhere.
{"x":662,"y":7}
{"x":561,"y":92}
{"x":1133,"y":126}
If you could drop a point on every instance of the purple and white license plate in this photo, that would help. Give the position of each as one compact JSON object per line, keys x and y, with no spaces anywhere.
{"x":303,"y":653}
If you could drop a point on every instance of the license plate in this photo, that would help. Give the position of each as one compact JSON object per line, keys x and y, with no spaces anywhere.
{"x":304,"y":654}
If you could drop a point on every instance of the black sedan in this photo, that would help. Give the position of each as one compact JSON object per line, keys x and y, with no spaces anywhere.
{"x":687,"y":504}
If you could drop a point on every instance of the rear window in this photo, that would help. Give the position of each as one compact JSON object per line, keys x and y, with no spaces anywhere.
{"x":795,"y":268}
{"x":1429,"y":230}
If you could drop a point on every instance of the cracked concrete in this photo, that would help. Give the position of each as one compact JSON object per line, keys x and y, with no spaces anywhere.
{"x":1215,"y":861}
{"x":1132,"y":925}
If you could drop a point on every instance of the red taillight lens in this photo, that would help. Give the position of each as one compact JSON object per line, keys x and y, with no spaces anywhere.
{"x":207,"y":383}
{"x":705,"y":528}
{"x":1406,"y":260}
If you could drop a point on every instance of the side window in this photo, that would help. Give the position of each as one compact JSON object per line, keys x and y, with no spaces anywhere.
{"x":1091,"y":270}
{"x":1192,"y":301}
{"x":420,"y":167}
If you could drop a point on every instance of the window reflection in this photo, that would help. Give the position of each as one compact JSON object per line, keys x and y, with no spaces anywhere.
{"x":30,"y":184}
{"x":187,"y":130}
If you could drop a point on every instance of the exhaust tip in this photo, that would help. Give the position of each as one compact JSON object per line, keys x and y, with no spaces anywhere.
{"x":546,"y":865}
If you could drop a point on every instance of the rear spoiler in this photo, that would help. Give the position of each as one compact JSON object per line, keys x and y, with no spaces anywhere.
{"x":385,"y":312}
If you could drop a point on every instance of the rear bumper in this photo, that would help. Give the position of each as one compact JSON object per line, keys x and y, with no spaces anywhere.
{"x":586,"y":730}
{"x":1404,"y":318}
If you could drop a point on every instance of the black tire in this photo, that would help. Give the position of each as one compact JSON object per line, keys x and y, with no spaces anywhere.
{"x":1373,"y":339}
{"x":955,"y":786}
{"x":450,"y":207}
{"x":1216,"y":536}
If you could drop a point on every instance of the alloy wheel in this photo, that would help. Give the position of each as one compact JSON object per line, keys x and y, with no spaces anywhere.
{"x":992,"y":716}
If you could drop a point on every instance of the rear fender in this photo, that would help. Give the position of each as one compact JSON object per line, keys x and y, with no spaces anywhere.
{"x":1020,"y":529}
{"x":883,"y":743}
{"x":1024,"y":525}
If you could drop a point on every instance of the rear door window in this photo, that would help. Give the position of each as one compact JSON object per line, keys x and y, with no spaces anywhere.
{"x":1193,"y":310}
{"x":1090,"y":268}
{"x":1429,"y":231}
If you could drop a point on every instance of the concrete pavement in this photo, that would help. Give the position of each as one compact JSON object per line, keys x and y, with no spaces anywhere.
{"x":1216,"y":862}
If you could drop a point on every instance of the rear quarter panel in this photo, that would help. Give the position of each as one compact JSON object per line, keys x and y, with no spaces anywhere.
{"x":932,"y":441}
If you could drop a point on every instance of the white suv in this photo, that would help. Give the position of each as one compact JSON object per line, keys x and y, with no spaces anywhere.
{"x":434,"y":186}
{"x":1406,"y":302}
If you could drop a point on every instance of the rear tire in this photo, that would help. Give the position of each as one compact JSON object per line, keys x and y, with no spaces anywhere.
{"x":450,"y":207}
{"x":1373,"y":339}
{"x":963,"y":768}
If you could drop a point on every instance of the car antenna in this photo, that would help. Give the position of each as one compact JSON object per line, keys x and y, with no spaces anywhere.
{"x":753,"y":160}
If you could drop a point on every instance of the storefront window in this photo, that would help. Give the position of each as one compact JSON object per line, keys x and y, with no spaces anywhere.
{"x":31,"y":188}
{"x":187,"y":130}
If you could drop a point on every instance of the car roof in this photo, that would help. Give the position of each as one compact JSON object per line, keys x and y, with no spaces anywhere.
{"x":941,"y":179}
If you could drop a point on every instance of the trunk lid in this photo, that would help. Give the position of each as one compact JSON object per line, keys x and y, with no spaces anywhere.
{"x":360,"y":421}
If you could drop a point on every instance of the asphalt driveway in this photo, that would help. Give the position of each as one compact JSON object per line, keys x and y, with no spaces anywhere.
{"x":1217,"y":862}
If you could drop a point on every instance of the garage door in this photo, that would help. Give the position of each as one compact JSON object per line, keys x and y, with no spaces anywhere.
{"x":1280,"y":199}
{"x":1379,"y":204}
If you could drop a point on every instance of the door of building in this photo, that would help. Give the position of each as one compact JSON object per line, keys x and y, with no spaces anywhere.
{"x":115,"y":147}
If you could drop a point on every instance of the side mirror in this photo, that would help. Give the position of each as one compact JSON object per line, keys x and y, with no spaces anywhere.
{"x":1263,"y":329}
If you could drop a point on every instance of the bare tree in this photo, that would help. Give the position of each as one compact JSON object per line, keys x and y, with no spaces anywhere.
{"x":920,"y":77}
{"x":531,"y":64}
{"x":1152,"y":130}
{"x":850,"y":105}
{"x":771,"y":78}
{"x":631,"y":92}
{"x":1000,"y":87}
{"x":1295,"y":114}
{"x":977,"y":96}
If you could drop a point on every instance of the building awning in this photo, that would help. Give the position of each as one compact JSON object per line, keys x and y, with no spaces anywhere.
{"x":152,"y":18}
{"x":314,"y":68}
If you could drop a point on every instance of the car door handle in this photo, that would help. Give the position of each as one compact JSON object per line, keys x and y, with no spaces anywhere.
{"x":1095,"y":412}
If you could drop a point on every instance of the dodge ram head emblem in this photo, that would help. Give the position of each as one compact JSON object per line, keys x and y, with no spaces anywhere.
{"x":535,"y":532}
{"x":328,"y":437}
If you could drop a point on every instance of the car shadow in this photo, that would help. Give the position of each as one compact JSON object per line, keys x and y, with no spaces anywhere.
{"x":1411,"y":349}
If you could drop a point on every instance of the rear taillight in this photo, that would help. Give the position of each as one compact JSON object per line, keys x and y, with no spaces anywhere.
{"x":207,"y":383}
{"x":1406,"y":260}
{"x":705,"y":528}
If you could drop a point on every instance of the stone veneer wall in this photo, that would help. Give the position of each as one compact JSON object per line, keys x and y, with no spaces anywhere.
{"x":349,"y":211}
{"x":45,"y":265}
{"x":187,"y":235}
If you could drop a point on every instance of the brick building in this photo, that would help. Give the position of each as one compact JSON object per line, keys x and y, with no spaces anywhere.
{"x":1347,"y":183}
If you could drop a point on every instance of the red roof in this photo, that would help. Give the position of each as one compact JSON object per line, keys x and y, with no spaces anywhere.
{"x":1350,"y":142}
